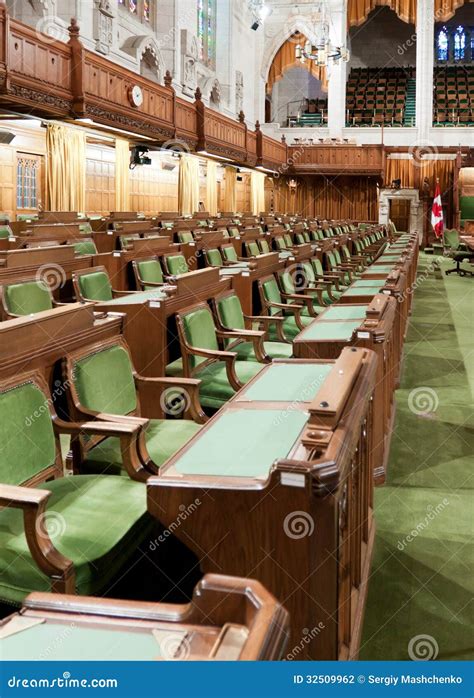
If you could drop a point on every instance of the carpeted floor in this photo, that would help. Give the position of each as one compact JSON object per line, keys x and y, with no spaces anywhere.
{"x":422,"y":580}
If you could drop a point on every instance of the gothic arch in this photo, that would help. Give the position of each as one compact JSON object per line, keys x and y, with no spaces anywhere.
{"x":147,"y":47}
{"x":298,"y":24}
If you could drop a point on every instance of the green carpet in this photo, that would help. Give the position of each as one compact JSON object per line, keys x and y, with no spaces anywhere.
{"x":421,"y":579}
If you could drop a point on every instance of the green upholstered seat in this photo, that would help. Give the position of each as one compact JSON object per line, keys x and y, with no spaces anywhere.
{"x":164,"y":437}
{"x":252,"y":249}
{"x":288,"y":240}
{"x":95,"y":286}
{"x":27,"y":298}
{"x":85,"y":228}
{"x":280,"y":243}
{"x":150,"y":271}
{"x":215,"y":389}
{"x":309,"y":270}
{"x":233,"y":232}
{"x":214,"y":258}
{"x":97,"y":522}
{"x":85,"y":247}
{"x":185,"y":237}
{"x":332,"y":262}
{"x":229,"y":253}
{"x":288,"y":286}
{"x":264,"y":246}
{"x":177,"y":264}
{"x":232,"y":318}
{"x":5,"y":231}
{"x":104,"y":383}
{"x":300,"y":239}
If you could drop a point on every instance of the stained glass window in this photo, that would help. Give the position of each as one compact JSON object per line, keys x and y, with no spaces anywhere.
{"x":443,"y":45}
{"x":142,"y":9}
{"x":132,"y":6}
{"x":27,"y":183}
{"x":207,"y":31}
{"x":146,"y":10}
{"x":459,"y":44}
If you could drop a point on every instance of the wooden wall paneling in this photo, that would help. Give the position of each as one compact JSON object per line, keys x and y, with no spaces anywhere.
{"x":8,"y":181}
{"x":100,"y":180}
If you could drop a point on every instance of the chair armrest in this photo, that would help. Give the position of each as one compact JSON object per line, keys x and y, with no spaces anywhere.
{"x":228,"y":356}
{"x":305,"y":301}
{"x":131,"y":434}
{"x":255,"y":336}
{"x":189,"y":385}
{"x":267,"y":321}
{"x":49,"y":560}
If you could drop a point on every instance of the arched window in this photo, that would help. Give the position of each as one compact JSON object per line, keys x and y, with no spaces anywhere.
{"x":207,"y":32}
{"x":459,"y":44}
{"x":442,"y":45}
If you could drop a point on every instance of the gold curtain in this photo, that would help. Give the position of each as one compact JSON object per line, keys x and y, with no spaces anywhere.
{"x":285,"y":59}
{"x":65,"y":168}
{"x":331,"y":198}
{"x":122,"y":175}
{"x":403,"y":170}
{"x":445,"y":9}
{"x":257,"y":192}
{"x":211,"y":190}
{"x":412,"y":174}
{"x":359,"y":10}
{"x":230,"y":199}
{"x":188,"y":185}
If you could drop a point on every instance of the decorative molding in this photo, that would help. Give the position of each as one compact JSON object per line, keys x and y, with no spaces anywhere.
{"x":103,"y":26}
{"x":38,"y":98}
{"x":141,"y":126}
{"x":189,"y":60}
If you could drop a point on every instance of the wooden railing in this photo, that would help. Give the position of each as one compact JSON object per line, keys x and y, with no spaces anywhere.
{"x":336,"y":159}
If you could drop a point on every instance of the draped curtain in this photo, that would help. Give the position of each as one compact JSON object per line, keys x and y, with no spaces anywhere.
{"x":331,"y":198}
{"x":211,"y":191}
{"x":445,"y":9}
{"x":286,"y":59}
{"x":230,"y":199}
{"x":188,"y":185}
{"x":359,"y":10}
{"x":412,"y":174}
{"x":257,"y":192}
{"x":65,"y":168}
{"x":122,"y":175}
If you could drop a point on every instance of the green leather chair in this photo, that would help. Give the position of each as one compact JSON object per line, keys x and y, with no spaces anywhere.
{"x":221,"y":372}
{"x":84,"y":248}
{"x":252,"y":249}
{"x":213,"y":258}
{"x":302,"y":294}
{"x":175,"y":265}
{"x":229,"y":254}
{"x":26,"y":298}
{"x":148,"y":273}
{"x":70,"y":534}
{"x":458,"y":252}
{"x":313,"y":275}
{"x":345,"y":275}
{"x":94,"y":285}
{"x":104,"y":385}
{"x":185,"y":236}
{"x":85,"y":228}
{"x":230,"y":318}
{"x":5,"y":232}
{"x":264,"y":246}
{"x":295,"y":315}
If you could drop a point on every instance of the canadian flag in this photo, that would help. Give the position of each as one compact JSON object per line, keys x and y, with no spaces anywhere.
{"x":437,"y":218}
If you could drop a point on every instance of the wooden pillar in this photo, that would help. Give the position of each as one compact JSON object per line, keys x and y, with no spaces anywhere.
{"x":77,"y":70}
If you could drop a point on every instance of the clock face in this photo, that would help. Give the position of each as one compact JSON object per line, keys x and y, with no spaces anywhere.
{"x":136,"y":96}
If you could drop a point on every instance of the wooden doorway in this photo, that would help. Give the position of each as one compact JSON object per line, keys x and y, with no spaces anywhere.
{"x":400,"y":213}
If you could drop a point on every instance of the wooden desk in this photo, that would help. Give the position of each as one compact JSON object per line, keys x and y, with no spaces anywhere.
{"x":40,"y":342}
{"x":374,"y":327}
{"x":283,"y":474}
{"x":147,"y":327}
{"x":118,"y":264}
{"x":227,"y":619}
